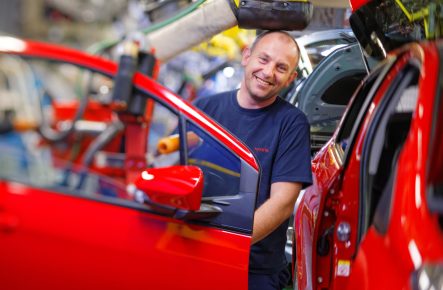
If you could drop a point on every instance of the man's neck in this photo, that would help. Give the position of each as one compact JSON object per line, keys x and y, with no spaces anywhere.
{"x":247,"y":102}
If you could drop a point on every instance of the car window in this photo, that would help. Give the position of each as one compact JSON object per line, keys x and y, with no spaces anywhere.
{"x":385,"y":138}
{"x":221,"y":167}
{"x":356,"y":111}
{"x":36,"y":167}
{"x":30,"y":90}
{"x":162,"y":127}
{"x":353,"y":115}
{"x":229,"y":182}
{"x":320,"y":49}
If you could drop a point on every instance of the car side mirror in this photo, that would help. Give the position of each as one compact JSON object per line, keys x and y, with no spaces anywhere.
{"x":178,"y":187}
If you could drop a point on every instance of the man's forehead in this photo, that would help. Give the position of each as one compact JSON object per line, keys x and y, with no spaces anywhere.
{"x":278,"y":36}
{"x":267,"y":49}
{"x":276,"y":39}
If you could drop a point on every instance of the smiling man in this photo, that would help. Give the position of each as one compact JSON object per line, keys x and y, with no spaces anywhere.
{"x":269,"y":67}
{"x":278,"y":134}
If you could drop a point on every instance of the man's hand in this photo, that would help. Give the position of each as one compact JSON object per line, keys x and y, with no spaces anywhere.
{"x":276,"y":209}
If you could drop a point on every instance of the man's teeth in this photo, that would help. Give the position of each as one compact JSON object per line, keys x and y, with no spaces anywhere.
{"x":263,"y":81}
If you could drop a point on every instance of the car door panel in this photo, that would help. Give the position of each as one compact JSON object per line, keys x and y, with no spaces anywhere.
{"x":346,"y":250}
{"x":55,"y":233}
{"x":109,"y":246}
{"x":409,"y":238}
{"x":339,"y":200}
{"x":309,"y":216}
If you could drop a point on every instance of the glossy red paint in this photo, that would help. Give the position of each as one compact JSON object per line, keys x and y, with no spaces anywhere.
{"x":347,"y":204}
{"x":71,"y":240}
{"x":17,"y":46}
{"x":378,"y":261}
{"x":325,"y":170}
{"x":93,"y":112}
{"x":356,"y":4}
{"x":135,"y":151}
{"x":414,"y":236}
{"x":176,"y":186}
{"x":109,"y":246}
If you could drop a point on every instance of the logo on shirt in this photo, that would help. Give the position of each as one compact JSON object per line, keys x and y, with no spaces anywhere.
{"x":266,"y":150}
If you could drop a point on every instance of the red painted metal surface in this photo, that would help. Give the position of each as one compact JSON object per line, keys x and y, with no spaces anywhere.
{"x":91,"y":245}
{"x":356,"y":4}
{"x":177,"y":186}
{"x":325,"y":170}
{"x":52,"y":240}
{"x":135,"y":159}
{"x":413,"y":237}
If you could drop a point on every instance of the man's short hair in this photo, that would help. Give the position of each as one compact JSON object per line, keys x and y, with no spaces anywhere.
{"x":266,"y":32}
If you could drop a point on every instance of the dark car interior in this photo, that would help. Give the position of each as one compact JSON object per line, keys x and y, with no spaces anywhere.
{"x":323,"y":96}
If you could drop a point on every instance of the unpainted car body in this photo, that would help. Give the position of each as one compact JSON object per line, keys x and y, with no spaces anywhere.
{"x":317,"y":45}
{"x":324,"y":94}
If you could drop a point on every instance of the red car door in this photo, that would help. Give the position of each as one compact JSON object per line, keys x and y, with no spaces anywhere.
{"x":316,"y":216}
{"x":401,"y":237}
{"x":360,"y":231}
{"x":335,"y":189}
{"x":75,"y":225}
{"x":351,"y":208}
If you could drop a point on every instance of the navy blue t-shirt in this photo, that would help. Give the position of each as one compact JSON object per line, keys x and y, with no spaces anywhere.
{"x":278,"y":135}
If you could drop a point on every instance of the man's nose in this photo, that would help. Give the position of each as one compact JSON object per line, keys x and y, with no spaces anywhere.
{"x":268,"y":70}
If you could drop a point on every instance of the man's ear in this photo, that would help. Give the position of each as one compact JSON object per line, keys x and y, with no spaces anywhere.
{"x":245,"y":56}
{"x":291,"y":78}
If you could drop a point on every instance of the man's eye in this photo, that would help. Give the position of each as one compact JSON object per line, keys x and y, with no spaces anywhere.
{"x":282,"y":69}
{"x":262,"y":60}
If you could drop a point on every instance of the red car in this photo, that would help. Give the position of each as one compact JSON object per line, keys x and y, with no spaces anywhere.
{"x":90,"y":200}
{"x":373,"y":219}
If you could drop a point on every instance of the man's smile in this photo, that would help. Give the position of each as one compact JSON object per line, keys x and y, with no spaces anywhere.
{"x":262,"y":81}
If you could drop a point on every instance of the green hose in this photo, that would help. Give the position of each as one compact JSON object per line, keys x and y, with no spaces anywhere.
{"x":104,"y":45}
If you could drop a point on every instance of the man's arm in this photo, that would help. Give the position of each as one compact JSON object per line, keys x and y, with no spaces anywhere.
{"x":276,"y":209}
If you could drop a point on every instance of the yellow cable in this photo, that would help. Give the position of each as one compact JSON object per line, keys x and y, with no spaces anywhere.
{"x":403,"y":8}
{"x":213,"y":166}
{"x":426,"y":28}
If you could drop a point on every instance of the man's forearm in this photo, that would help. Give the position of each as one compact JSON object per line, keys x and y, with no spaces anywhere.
{"x":275,"y":210}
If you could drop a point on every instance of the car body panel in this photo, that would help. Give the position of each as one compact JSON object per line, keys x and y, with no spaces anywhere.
{"x":54,"y":236}
{"x":316,"y":45}
{"x":307,"y":218}
{"x":413,"y":236}
{"x":324,"y":94}
{"x":368,"y":259}
{"x":61,"y":241}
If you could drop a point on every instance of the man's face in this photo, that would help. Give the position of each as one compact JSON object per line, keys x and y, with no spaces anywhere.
{"x":269,"y":67}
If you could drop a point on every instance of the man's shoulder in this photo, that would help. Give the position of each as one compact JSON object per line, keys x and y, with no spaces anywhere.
{"x":290,"y":112}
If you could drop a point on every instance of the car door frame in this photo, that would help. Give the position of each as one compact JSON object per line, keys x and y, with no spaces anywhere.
{"x":232,"y":240}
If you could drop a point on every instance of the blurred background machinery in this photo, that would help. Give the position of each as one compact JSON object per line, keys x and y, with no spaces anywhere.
{"x":83,"y":22}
